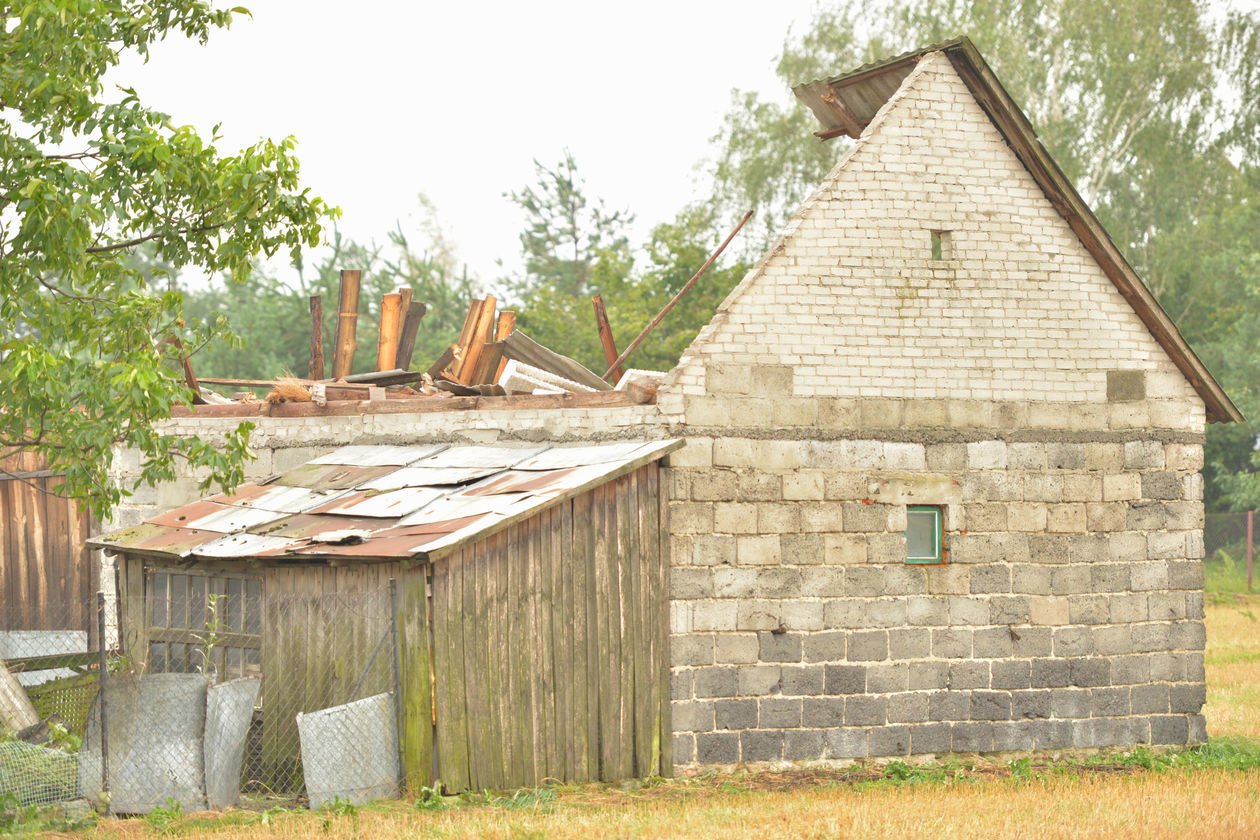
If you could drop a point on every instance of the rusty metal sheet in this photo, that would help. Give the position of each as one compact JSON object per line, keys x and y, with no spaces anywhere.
{"x":304,"y":526}
{"x":391,"y":504}
{"x":377,"y":456}
{"x":233,"y":518}
{"x":562,"y":457}
{"x":244,"y":544}
{"x":397,"y":542}
{"x":277,"y":497}
{"x":500,"y":457}
{"x":548,"y":482}
{"x":164,"y":539}
{"x":428,"y":477}
{"x":331,"y":476}
{"x":180,"y":517}
{"x":459,"y":505}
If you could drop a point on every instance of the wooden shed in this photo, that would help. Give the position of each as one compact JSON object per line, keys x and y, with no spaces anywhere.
{"x":527,"y":588}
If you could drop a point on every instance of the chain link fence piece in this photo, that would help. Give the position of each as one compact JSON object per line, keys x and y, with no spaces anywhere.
{"x":350,"y":752}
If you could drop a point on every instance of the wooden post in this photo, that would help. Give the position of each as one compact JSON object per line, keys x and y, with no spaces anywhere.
{"x":347,"y":323}
{"x":387,"y":341}
{"x":407,"y":335}
{"x":606,"y":338}
{"x":190,"y":378}
{"x":316,"y":370}
{"x":507,"y":323}
{"x":101,"y":680}
{"x":1251,"y":515}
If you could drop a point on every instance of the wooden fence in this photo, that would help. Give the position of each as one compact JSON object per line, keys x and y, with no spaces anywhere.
{"x":48,"y":579}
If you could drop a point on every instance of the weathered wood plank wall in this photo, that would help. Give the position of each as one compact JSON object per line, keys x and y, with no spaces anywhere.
{"x":48,"y":580}
{"x":550,"y":645}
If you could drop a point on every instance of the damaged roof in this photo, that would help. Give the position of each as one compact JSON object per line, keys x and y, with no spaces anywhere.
{"x":383,"y":502}
{"x":846,"y":105}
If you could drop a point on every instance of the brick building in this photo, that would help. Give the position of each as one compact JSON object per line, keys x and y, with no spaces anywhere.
{"x":941,"y":489}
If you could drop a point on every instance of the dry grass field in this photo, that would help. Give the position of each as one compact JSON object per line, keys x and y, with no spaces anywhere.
{"x":1210,"y":793}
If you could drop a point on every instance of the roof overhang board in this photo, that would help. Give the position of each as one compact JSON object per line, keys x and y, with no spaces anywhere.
{"x":868,"y":88}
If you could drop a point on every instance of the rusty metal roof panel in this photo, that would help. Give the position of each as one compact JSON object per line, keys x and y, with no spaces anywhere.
{"x":390,"y":504}
{"x":152,"y":538}
{"x":390,"y":507}
{"x":377,"y":456}
{"x":500,"y":457}
{"x":245,"y":544}
{"x":331,"y":476}
{"x":428,"y":477}
{"x":277,"y":497}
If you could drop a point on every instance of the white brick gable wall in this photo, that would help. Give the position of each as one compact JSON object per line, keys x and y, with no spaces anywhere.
{"x":852,"y":300}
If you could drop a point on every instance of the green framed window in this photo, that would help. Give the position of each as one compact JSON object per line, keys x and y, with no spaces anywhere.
{"x":925,"y":535}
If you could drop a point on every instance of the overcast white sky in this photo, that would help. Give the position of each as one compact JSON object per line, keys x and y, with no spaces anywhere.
{"x":456,"y":100}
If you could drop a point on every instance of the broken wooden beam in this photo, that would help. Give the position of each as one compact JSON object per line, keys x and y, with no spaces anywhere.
{"x":347,"y":322}
{"x":686,"y":288}
{"x":387,"y":337}
{"x":507,"y":323}
{"x":407,"y":337}
{"x":606,"y":338}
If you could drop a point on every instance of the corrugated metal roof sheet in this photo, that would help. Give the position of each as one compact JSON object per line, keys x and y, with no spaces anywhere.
{"x":384,"y":502}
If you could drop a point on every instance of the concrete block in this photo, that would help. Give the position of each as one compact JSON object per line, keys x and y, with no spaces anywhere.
{"x":1050,"y":672}
{"x":822,"y":712}
{"x":865,"y":710}
{"x":844,"y":549}
{"x":972,"y":737}
{"x":864,"y":581}
{"x":1033,"y":704}
{"x":1088,"y":609}
{"x":865,"y":518}
{"x":758,"y":486}
{"x":714,"y":616}
{"x":1106,"y":516}
{"x":1150,"y":699}
{"x":890,"y":741}
{"x":779,"y":647}
{"x":1029,"y":517}
{"x":691,"y":649}
{"x":733,"y":582}
{"x":929,"y":611}
{"x":1042,"y":487}
{"x":948,"y":580}
{"x":986,"y":455}
{"x":1048,"y":610}
{"x":969,"y":611}
{"x":887,"y":677}
{"x":846,"y":744}
{"x":993,"y":642}
{"x":727,"y":378}
{"x":1011,"y":675}
{"x":1167,"y":606}
{"x":713,"y":550}
{"x":1143,"y":455}
{"x":909,"y":643}
{"x":1127,"y":547}
{"x":884,"y":612}
{"x":905,"y":580}
{"x":735,"y":648}
{"x":681,"y":684}
{"x":1026,"y":456}
{"x":1028,"y":579}
{"x":1148,"y":576}
{"x":930,"y":738}
{"x":735,"y":714}
{"x":1110,"y":702}
{"x":1161,"y":485}
{"x":1090,"y":672}
{"x":868,"y":645}
{"x":1070,"y":580}
{"x":684,"y":747}
{"x":845,"y":679}
{"x":802,"y":680}
{"x":1009,"y":609}
{"x":908,"y":707}
{"x":779,"y":713}
{"x":778,"y":582}
{"x":691,"y":583}
{"x":946,"y":457}
{"x":1071,"y":703}
{"x":954,"y":643}
{"x":781,"y":518}
{"x":1047,"y":549}
{"x":805,"y":485}
{"x":826,"y":646}
{"x":842,"y":613}
{"x":1109,"y":577}
{"x":949,"y":705}
{"x":1053,"y":734}
{"x":715,"y":681}
{"x":1065,"y":518}
{"x":837,"y":413}
{"x":803,"y":744}
{"x":760,"y":550}
{"x":1016,"y":735}
{"x":929,"y":675}
{"x":886,"y":548}
{"x":861,"y":455}
{"x":758,"y":680}
{"x":757,"y":615}
{"x":968,"y":674}
{"x":821,"y":517}
{"x":1171,"y":730}
{"x":904,"y":456}
{"x":761,"y":745}
{"x":1121,"y":487}
{"x":1082,"y":487}
{"x":1065,"y":456}
{"x":986,"y":517}
{"x":692,"y":716}
{"x":822,"y":582}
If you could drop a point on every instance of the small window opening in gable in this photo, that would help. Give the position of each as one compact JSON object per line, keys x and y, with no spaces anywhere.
{"x":942,"y":245}
{"x":925,"y":535}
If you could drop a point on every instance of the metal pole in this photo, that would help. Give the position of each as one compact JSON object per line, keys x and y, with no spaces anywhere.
{"x":104,"y":670}
{"x":686,"y":288}
{"x":393,"y":625}
{"x":1251,"y":515}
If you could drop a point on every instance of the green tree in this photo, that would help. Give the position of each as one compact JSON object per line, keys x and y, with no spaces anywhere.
{"x":1151,"y":109}
{"x":85,"y":347}
{"x":270,"y":319}
{"x":574,"y":250}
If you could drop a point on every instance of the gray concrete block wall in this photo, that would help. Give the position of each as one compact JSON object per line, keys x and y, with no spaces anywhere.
{"x":1070,"y":614}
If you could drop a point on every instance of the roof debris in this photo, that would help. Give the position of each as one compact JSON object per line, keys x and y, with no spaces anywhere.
{"x":383,"y":502}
